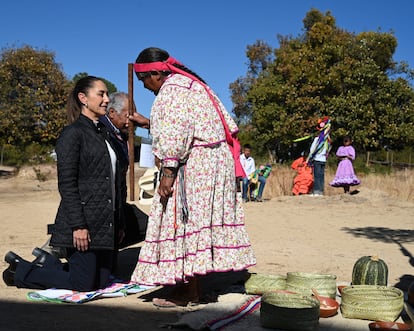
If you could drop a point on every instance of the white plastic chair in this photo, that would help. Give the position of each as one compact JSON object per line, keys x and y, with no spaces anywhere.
{"x":147,"y":185}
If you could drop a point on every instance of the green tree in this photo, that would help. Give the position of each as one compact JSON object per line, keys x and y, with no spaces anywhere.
{"x":33,"y":91}
{"x":329,"y":71}
{"x":260,"y":55}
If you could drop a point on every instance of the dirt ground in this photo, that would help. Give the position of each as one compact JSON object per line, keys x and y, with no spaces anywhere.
{"x":310,"y":234}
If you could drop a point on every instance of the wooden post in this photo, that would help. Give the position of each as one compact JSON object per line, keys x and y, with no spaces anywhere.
{"x":131,"y":132}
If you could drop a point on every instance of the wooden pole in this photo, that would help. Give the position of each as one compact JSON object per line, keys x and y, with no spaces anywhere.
{"x":131,"y":132}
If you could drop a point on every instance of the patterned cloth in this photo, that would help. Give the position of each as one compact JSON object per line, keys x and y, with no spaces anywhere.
{"x":70,"y":296}
{"x":303,"y":181}
{"x":345,"y":175}
{"x":187,"y":132}
{"x":230,"y":313}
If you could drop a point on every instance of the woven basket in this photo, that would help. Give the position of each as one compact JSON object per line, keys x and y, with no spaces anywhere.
{"x":261,"y":283}
{"x":303,"y":282}
{"x":372,"y":302}
{"x":289,"y":311}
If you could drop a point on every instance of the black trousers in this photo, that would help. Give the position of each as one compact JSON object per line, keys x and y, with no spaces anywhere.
{"x":84,"y":271}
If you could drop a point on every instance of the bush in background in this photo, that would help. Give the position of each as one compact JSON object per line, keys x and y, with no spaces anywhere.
{"x":32,"y":154}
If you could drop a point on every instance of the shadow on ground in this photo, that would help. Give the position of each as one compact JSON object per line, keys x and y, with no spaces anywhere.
{"x":89,"y":316}
{"x":386,"y":235}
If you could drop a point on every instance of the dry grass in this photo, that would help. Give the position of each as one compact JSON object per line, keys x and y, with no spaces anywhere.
{"x":399,"y":184}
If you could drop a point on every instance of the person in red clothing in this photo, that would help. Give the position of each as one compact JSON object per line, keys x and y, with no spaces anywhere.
{"x":303,"y":182}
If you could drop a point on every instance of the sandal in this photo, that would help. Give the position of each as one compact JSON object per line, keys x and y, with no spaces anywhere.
{"x":182,"y":295}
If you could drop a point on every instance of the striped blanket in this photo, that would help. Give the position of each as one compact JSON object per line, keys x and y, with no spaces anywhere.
{"x":225,"y":314}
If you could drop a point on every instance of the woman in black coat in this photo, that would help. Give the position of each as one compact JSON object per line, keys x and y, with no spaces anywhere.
{"x":88,"y":222}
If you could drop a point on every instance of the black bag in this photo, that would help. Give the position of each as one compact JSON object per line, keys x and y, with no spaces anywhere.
{"x":135,"y":225}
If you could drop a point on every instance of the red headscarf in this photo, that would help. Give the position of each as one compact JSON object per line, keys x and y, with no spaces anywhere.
{"x":231,"y":138}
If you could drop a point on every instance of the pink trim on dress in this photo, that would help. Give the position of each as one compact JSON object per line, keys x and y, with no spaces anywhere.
{"x":210,"y":144}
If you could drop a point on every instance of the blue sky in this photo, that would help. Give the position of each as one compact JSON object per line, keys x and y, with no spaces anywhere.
{"x":210,"y":37}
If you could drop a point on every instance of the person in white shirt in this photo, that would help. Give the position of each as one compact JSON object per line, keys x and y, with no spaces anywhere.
{"x":318,"y":155}
{"x":249,"y":168}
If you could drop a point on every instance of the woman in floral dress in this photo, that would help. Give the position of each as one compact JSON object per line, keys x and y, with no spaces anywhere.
{"x":196,"y":222}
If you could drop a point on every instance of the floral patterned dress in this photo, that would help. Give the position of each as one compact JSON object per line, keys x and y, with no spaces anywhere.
{"x":202,"y":227}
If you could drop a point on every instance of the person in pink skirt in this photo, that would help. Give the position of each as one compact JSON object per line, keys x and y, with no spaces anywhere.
{"x":196,"y":222}
{"x":345,"y":175}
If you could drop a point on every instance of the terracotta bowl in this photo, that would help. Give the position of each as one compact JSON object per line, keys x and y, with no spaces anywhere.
{"x":389,"y":326}
{"x":340,"y":288}
{"x":328,"y":306}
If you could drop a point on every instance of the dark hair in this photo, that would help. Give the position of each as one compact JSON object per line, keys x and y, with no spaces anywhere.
{"x":154,"y":54}
{"x":346,"y":139}
{"x":74,"y":106}
{"x":247,"y":146}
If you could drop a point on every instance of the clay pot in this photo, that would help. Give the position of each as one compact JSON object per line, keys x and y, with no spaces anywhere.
{"x":340,"y":288}
{"x":328,"y":307}
{"x":389,"y":326}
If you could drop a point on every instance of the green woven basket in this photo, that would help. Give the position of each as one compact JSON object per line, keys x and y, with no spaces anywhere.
{"x":289,"y":311}
{"x":303,"y":282}
{"x":372,"y":302}
{"x":261,"y":283}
